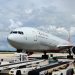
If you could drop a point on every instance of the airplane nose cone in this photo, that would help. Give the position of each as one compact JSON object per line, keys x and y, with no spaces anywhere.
{"x":11,"y":39}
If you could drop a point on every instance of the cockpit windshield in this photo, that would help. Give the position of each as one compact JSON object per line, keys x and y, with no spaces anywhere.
{"x":16,"y":32}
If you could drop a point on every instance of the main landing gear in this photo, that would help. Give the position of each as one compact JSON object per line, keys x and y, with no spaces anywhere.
{"x":44,"y":56}
{"x":69,"y":56}
{"x":19,"y":50}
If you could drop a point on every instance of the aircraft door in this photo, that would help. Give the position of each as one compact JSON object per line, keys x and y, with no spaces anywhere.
{"x":35,"y":38}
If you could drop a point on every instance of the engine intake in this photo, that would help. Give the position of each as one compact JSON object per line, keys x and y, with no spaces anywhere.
{"x":73,"y":50}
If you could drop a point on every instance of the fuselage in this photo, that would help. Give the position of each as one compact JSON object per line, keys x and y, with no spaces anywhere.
{"x":32,"y":39}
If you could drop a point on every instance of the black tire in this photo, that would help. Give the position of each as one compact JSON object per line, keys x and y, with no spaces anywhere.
{"x":44,"y":56}
{"x":18,"y":72}
{"x":70,"y":72}
{"x":70,"y":56}
{"x":50,"y":74}
{"x":61,"y":74}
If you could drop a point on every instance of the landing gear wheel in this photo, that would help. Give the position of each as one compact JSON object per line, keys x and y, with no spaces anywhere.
{"x":70,"y":56}
{"x":19,"y":50}
{"x":44,"y":56}
{"x":18,"y":72}
{"x":70,"y":72}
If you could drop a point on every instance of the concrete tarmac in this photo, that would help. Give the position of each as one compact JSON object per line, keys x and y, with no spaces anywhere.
{"x":11,"y":54}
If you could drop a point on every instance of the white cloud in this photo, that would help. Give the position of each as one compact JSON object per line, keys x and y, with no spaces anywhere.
{"x":66,"y":6}
{"x":72,"y":30}
{"x":62,"y":30}
{"x":28,"y":11}
{"x":52,"y":27}
{"x":58,"y":30}
{"x":14,"y":24}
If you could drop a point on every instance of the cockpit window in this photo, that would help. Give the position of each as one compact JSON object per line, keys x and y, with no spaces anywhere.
{"x":20,"y":32}
{"x":16,"y":32}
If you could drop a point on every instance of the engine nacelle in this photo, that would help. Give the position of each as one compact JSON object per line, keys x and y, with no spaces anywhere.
{"x":73,"y":50}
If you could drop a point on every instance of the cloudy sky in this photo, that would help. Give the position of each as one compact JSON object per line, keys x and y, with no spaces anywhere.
{"x":53,"y":16}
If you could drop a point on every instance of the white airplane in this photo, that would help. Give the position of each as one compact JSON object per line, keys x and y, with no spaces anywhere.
{"x":34,"y":40}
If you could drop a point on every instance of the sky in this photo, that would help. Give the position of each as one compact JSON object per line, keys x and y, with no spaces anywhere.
{"x":53,"y":16}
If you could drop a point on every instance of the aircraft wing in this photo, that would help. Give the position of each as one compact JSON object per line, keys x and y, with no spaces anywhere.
{"x":65,"y":46}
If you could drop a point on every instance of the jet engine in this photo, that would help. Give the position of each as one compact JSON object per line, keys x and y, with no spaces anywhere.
{"x":73,"y":50}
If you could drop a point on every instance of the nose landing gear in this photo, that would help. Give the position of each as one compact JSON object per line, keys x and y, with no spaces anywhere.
{"x":44,"y":56}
